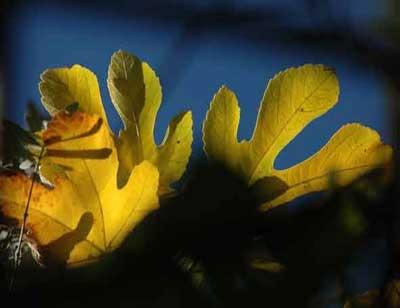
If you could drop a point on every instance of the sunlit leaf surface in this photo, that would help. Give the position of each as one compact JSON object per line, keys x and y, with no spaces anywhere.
{"x":85,"y":215}
{"x":136,"y":94}
{"x":292,"y":99}
{"x":135,"y":91}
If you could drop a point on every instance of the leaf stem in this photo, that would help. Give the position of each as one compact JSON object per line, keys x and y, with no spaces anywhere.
{"x":25,"y":217}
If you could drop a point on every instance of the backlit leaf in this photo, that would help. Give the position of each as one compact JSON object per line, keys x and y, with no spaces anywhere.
{"x":268,"y":266}
{"x":63,"y":87}
{"x":135,"y":91}
{"x":369,"y":299}
{"x":18,"y":141}
{"x":292,"y":99}
{"x":85,"y":215}
{"x":33,"y":118}
{"x":392,"y":293}
{"x":136,"y":94}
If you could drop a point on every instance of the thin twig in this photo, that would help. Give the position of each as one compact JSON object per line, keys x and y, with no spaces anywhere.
{"x":25,"y":217}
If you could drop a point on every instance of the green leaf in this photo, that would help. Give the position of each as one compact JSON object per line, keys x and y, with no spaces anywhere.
{"x":135,"y":91}
{"x":72,"y":107}
{"x":17,"y":141}
{"x":33,"y":118}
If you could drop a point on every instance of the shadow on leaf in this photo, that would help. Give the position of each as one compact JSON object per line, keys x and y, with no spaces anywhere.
{"x":62,"y":247}
{"x":268,"y":188}
{"x":84,"y":154}
{"x":93,"y":130}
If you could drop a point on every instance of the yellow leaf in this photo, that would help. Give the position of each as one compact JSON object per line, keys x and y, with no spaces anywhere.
{"x":136,"y":94}
{"x":351,"y":151}
{"x":268,"y":266}
{"x":292,"y":99}
{"x":85,"y":216}
{"x":368,"y":299}
{"x":220,"y":129}
{"x":64,"y":86}
{"x":49,"y":171}
{"x":392,"y":293}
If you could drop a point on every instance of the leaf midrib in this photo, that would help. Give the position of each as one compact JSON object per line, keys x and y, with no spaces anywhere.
{"x":98,"y":201}
{"x":128,"y":216}
{"x":337,"y":171}
{"x":135,"y":117}
{"x":255,"y":168}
